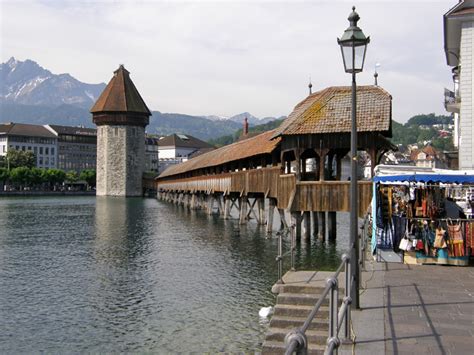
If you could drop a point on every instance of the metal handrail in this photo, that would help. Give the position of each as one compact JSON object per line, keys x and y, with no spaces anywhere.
{"x":281,"y":255}
{"x":296,"y":340}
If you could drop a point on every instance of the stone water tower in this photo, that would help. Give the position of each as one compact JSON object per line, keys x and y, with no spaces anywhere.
{"x":121,"y":116}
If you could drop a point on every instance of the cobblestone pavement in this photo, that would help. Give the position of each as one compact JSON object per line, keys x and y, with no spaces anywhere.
{"x":425,"y":310}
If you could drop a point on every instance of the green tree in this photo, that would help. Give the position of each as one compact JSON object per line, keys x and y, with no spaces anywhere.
{"x":20,"y":176}
{"x":72,"y":176}
{"x":19,"y":158}
{"x":89,"y":176}
{"x":37,"y":176}
{"x":54,"y":176}
{"x":4,"y":176}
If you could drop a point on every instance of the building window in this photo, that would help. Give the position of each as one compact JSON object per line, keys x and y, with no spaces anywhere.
{"x":46,"y":150}
{"x":41,"y":150}
{"x":40,"y":161}
{"x":46,"y":161}
{"x":23,"y":148}
{"x":35,"y":149}
{"x":52,"y":151}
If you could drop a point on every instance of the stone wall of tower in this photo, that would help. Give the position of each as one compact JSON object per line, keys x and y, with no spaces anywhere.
{"x":120,"y":160}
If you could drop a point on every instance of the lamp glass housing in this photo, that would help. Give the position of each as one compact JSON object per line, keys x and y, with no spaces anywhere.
{"x":354,"y":49}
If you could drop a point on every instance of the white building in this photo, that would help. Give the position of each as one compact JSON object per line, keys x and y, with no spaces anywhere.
{"x":177,"y":148}
{"x":30,"y":138}
{"x":459,"y":49}
{"x":151,"y":154}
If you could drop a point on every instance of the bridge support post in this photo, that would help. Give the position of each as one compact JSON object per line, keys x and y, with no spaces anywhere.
{"x":220,"y":211}
{"x":271,"y":211}
{"x":322,"y":225}
{"x":227,"y":206}
{"x":210,"y":204}
{"x":296,"y":220}
{"x":314,"y":220}
{"x":261,"y":210}
{"x":243,"y":210}
{"x":283,"y":224}
{"x":332,"y":226}
{"x":307,"y":225}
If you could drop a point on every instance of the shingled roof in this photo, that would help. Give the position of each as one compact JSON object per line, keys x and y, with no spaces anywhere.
{"x":120,"y":95}
{"x":261,"y":144}
{"x":24,"y":129}
{"x":329,"y":111}
{"x":183,"y":141}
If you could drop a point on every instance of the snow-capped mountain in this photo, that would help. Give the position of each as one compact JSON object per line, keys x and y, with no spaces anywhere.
{"x":253,"y":120}
{"x":30,"y":84}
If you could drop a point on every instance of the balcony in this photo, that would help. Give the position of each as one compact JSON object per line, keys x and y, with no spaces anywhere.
{"x":452,"y":102}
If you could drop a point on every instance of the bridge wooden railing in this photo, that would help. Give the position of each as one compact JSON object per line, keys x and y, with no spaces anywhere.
{"x":329,"y":196}
{"x":292,"y":195}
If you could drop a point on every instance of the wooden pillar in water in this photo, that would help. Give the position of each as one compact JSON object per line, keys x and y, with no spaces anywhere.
{"x":271,"y":211}
{"x":332,"y":223}
{"x":210,"y":204}
{"x":261,"y":210}
{"x":307,"y":225}
{"x":322,"y":225}
{"x":243,"y":210}
{"x":314,"y":219}
{"x":283,"y":224}
{"x":219,"y":204}
{"x":227,"y":205}
{"x":296,"y":220}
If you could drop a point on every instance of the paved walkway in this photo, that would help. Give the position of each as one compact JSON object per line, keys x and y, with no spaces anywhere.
{"x":418,"y":309}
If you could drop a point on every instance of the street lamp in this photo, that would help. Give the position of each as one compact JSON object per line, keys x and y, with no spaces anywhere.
{"x":353,"y":47}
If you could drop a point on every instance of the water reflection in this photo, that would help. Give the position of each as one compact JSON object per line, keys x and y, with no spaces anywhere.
{"x":135,"y":275}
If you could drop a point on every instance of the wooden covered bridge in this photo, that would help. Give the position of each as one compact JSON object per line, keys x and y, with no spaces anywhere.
{"x":294,"y":168}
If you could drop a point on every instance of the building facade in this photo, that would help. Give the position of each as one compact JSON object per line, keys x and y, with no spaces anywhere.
{"x":30,"y":138}
{"x":177,"y":148}
{"x":151,"y":154}
{"x":459,"y":50}
{"x":77,"y":147}
{"x":121,"y":116}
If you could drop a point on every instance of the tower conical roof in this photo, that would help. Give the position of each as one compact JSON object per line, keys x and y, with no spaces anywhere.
{"x":120,"y":95}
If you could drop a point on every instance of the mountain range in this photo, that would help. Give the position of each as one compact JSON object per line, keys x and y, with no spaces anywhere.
{"x":30,"y":93}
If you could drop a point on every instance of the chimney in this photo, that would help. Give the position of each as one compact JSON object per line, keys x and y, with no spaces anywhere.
{"x":246,"y":127}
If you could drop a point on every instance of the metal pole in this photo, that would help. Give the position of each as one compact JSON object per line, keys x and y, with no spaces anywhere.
{"x":347,"y":318}
{"x":354,"y":196}
{"x":293,"y":239}
{"x":280,"y":258}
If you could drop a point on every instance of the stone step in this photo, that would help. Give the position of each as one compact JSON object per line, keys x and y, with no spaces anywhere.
{"x":276,"y":347}
{"x":300,"y":311}
{"x":307,"y":299}
{"x":313,"y":336}
{"x":291,"y":322}
{"x":286,"y":288}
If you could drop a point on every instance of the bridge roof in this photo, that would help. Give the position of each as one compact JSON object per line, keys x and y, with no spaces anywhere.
{"x":329,"y":111}
{"x":261,"y":144}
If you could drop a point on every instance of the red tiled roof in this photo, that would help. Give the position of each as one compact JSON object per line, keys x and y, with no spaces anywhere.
{"x":329,"y":111}
{"x":120,"y":95}
{"x":261,"y":144}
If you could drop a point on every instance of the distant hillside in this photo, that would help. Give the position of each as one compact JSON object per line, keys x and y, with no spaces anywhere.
{"x":420,"y":128}
{"x":231,"y":138}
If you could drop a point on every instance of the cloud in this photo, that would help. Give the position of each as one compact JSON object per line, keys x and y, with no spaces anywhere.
{"x":228,"y":57}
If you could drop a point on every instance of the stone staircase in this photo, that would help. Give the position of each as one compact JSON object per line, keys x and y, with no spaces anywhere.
{"x":295,"y":300}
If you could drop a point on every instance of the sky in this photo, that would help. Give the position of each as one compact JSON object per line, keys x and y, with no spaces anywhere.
{"x":227,"y":57}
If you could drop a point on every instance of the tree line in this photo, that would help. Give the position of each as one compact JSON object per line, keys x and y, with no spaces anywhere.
{"x":18,"y":169}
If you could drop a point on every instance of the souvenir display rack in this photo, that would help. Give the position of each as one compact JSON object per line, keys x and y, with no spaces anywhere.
{"x":427,"y":217}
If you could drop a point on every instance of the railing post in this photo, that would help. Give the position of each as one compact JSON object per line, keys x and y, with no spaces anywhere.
{"x":333,"y":300}
{"x":280,"y":258}
{"x":347,"y":293}
{"x":293,"y":247}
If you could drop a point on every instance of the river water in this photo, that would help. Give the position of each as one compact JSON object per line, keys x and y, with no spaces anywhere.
{"x":86,"y":274}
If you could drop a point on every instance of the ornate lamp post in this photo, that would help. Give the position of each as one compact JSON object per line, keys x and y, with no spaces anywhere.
{"x":353,"y":47}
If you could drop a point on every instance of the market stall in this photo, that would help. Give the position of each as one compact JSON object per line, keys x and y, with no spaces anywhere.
{"x":423,"y":215}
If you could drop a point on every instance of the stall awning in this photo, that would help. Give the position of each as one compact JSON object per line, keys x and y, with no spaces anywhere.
{"x":450,"y":178}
